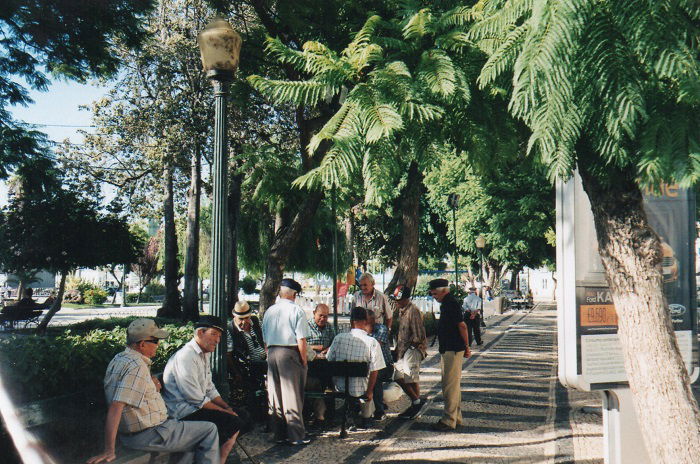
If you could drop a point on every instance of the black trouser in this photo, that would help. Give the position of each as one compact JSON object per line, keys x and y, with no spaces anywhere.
{"x":474,"y":328}
{"x":227,"y":424}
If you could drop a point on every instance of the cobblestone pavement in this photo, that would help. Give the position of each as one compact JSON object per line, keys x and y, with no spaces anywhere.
{"x":514,"y":411}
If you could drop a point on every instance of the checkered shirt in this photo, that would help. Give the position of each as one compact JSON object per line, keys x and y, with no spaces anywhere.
{"x":382,"y":306}
{"x":381,"y":334}
{"x":128,"y":380}
{"x":320,"y":336}
{"x":357,"y":346}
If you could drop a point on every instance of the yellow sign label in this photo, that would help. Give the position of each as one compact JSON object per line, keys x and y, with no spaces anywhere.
{"x":598,"y":315}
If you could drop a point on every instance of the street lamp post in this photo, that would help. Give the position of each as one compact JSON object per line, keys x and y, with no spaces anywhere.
{"x":480,"y":244}
{"x":220,"y":47}
{"x":453,"y":201}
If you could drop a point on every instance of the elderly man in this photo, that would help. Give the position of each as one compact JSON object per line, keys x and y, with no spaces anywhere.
{"x":358,"y":346}
{"x":380,"y":333}
{"x":411,"y":349}
{"x":320,"y":339}
{"x":138,"y":412}
{"x":369,"y":298}
{"x":285,"y":330}
{"x":189,"y":391}
{"x":472,"y":317}
{"x":454,"y":347}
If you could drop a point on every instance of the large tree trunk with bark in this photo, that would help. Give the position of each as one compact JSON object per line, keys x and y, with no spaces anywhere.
{"x":285,"y":239}
{"x":631,"y":254}
{"x":406,"y":272}
{"x":171,"y":303}
{"x":55,"y":307}
{"x":514,"y":279}
{"x":234,"y":211}
{"x":190,"y":310}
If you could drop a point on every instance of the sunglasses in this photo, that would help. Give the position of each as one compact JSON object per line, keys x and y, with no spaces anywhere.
{"x":155,"y":342}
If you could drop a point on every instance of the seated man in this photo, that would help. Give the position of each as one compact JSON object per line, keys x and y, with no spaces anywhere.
{"x":190,"y":394}
{"x":358,"y":346}
{"x":322,"y":335}
{"x":137,"y":410}
{"x":247,"y":359}
{"x":380,"y":333}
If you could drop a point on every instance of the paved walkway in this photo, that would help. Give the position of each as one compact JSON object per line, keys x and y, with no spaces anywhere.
{"x":514,"y":411}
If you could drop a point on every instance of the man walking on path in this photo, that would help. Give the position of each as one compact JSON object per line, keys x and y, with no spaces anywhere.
{"x":369,"y":298}
{"x":411,"y":349}
{"x":454,"y":347}
{"x":472,"y":317}
{"x":190,"y":394}
{"x":137,"y":410}
{"x":285,"y":330}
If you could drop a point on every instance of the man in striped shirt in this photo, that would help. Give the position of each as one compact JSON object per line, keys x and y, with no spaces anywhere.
{"x":369,"y":297}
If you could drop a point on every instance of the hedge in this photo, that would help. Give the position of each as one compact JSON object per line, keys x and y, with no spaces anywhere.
{"x":36,"y":367}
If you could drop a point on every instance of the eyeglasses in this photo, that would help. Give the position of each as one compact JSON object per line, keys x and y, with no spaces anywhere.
{"x":155,"y":342}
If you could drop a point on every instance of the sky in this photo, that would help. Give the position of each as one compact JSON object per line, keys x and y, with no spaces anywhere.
{"x":56,"y":113}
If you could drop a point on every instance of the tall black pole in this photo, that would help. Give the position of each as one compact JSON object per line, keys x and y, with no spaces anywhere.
{"x":335,"y":261}
{"x":217,"y":297}
{"x":481,"y":279}
{"x":454,"y":226}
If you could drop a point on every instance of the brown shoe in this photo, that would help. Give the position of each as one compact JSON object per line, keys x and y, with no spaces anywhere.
{"x":442,"y":427}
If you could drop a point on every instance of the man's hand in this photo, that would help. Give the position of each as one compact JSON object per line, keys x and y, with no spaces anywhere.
{"x":467,"y":353}
{"x":106,"y":456}
{"x":156,"y":382}
{"x":369,"y":395}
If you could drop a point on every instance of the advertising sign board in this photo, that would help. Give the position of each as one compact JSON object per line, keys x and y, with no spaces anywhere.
{"x":590,"y":356}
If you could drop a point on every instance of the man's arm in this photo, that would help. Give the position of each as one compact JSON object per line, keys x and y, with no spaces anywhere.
{"x":370,"y":384}
{"x":114,"y":415}
{"x":219,"y":404}
{"x":301,"y":343}
{"x":465,"y":336}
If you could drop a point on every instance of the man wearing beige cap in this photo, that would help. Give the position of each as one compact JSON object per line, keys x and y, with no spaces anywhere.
{"x":137,"y":411}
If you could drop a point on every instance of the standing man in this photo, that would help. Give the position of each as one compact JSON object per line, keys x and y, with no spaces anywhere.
{"x":472,"y":316}
{"x":285,"y":330}
{"x":190,"y":393}
{"x":320,"y":339}
{"x":138,"y":412}
{"x":454,"y":347}
{"x":411,"y":349}
{"x":358,"y":346}
{"x":369,"y":298}
{"x":380,"y":333}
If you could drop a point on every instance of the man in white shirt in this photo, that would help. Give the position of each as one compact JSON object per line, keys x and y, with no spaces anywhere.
{"x":190,"y":394}
{"x":285,"y":330}
{"x":357,"y":345}
{"x":471,"y":308}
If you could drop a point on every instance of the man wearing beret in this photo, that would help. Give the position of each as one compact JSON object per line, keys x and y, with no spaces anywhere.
{"x":454,"y":347}
{"x":285,"y":330}
{"x":137,"y":411}
{"x":190,"y":393}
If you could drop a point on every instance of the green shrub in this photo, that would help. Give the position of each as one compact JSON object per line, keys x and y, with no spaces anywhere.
{"x":430,"y":324}
{"x":94,"y":296}
{"x":248,"y":284}
{"x":37,"y":367}
{"x":154,"y":289}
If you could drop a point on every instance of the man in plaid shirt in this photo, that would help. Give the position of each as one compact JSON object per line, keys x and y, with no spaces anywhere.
{"x":137,"y":411}
{"x":320,"y":339}
{"x":358,"y":346}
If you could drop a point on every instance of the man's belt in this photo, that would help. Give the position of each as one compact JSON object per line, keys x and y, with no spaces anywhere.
{"x":289,"y":347}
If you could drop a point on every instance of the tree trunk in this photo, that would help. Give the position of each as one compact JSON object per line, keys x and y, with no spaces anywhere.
{"x":234,"y":211}
{"x":190,"y":310}
{"x":285,"y":239}
{"x":350,"y":238}
{"x":514,"y":279}
{"x":631,"y":254}
{"x":406,"y":272}
{"x":55,"y":307}
{"x":171,"y":303}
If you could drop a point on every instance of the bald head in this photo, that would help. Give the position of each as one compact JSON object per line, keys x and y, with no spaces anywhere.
{"x":321,"y":315}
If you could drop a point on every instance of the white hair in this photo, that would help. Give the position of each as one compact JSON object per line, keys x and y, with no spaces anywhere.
{"x":367,"y":276}
{"x":286,"y":292}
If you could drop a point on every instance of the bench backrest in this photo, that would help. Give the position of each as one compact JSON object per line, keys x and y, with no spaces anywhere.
{"x":348,"y":368}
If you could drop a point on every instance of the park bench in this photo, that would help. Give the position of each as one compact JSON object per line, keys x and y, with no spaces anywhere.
{"x":326,"y":370}
{"x":12,"y":316}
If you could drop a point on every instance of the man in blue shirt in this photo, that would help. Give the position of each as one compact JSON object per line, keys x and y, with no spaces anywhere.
{"x":285,"y":330}
{"x":381,"y":334}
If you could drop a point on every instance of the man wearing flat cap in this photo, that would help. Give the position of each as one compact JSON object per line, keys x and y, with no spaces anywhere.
{"x":190,"y":393}
{"x":137,"y":411}
{"x":285,"y":330}
{"x":454,"y":347}
{"x":411,"y":349}
{"x":247,"y":359}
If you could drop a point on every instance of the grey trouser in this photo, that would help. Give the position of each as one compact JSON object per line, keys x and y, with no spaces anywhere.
{"x":199,"y":441}
{"x":286,"y":378}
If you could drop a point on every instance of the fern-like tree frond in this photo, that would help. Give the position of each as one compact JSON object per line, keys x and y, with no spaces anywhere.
{"x":296,"y":92}
{"x":419,"y":25}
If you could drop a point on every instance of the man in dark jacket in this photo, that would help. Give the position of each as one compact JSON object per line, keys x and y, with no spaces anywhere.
{"x":454,"y":348}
